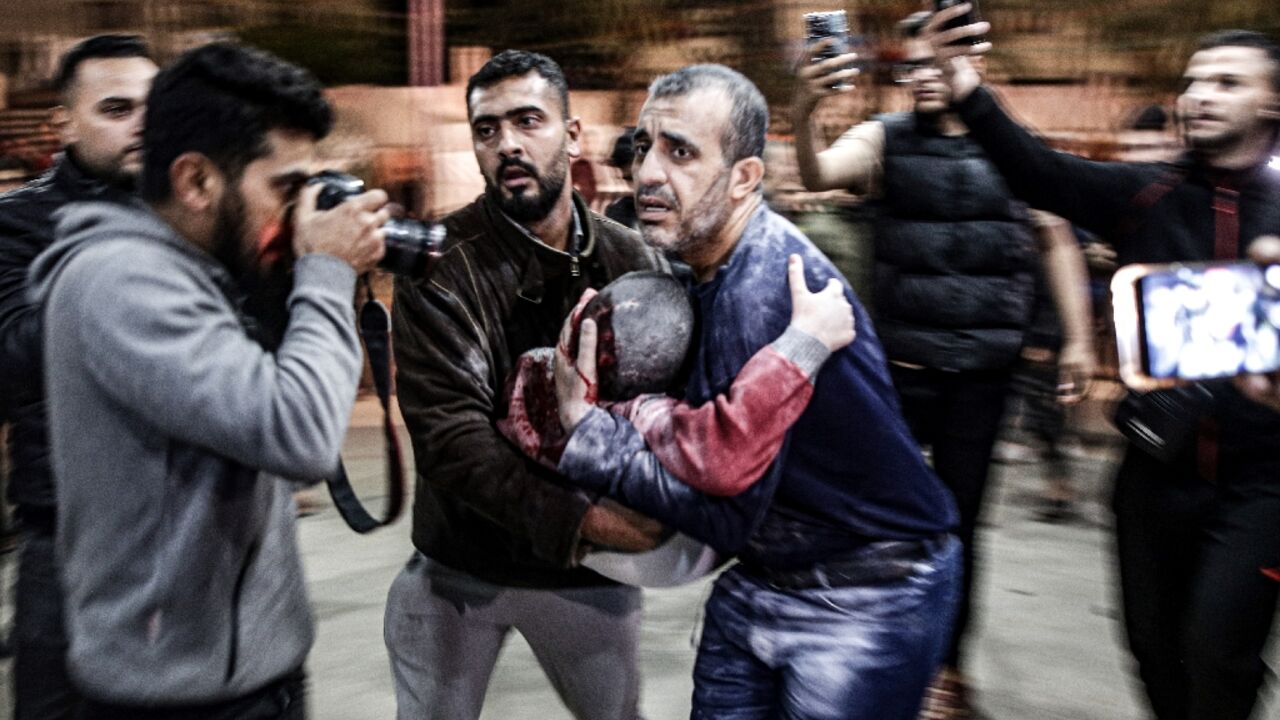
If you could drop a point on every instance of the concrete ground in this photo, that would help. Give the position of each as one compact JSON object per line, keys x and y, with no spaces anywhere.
{"x":1047,"y":644}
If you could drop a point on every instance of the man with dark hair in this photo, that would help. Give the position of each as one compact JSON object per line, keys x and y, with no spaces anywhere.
{"x":847,"y":576}
{"x":954,"y":283}
{"x":623,"y":210}
{"x":169,"y":419}
{"x":1196,"y":530}
{"x":499,"y":537}
{"x":102,"y":85}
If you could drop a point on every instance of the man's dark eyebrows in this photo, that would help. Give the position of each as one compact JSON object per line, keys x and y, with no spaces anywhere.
{"x":525,"y":109}
{"x":510,"y":113}
{"x":116,"y":99}
{"x":677,"y":139}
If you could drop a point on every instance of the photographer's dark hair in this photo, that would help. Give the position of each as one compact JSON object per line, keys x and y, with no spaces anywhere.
{"x":1249,"y":39}
{"x":220,"y":100}
{"x":749,"y":114}
{"x":516,"y":63}
{"x":98,"y":47}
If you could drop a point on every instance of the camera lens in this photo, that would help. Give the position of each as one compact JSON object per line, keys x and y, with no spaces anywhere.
{"x":411,"y":246}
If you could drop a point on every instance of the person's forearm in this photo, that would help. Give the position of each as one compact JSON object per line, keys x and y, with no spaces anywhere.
{"x":1068,"y":279}
{"x":606,"y":454}
{"x":807,"y":153}
{"x":847,"y":167}
{"x":726,"y":444}
{"x":171,"y":349}
{"x":1090,"y":194}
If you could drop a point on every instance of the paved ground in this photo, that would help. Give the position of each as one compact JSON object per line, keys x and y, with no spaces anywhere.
{"x":1047,"y":644}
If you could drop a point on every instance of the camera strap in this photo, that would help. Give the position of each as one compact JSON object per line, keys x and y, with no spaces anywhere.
{"x":375,"y":330}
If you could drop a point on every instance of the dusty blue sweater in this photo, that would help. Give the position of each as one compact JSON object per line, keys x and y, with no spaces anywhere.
{"x":849,"y":474}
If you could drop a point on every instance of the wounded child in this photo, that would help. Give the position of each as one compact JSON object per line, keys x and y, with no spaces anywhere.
{"x":644,"y":328}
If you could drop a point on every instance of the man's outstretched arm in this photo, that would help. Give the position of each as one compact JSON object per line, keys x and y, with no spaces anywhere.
{"x":1094,"y":195}
{"x":853,"y":163}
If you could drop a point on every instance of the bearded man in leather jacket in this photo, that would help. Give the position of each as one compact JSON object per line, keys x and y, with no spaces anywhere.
{"x":499,"y":537}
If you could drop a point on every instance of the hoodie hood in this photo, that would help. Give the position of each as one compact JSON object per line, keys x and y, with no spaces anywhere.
{"x":86,"y":224}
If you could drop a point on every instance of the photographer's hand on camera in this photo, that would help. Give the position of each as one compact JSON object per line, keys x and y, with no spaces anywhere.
{"x":350,"y":231}
{"x":953,"y":47}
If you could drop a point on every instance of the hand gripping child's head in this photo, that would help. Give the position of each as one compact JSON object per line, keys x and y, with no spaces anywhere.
{"x":644,"y":326}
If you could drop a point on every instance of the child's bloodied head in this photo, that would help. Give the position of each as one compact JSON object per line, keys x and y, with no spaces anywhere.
{"x":645,"y":325}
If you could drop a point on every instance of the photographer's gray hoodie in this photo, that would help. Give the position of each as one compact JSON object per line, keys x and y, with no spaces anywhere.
{"x":180,"y":564}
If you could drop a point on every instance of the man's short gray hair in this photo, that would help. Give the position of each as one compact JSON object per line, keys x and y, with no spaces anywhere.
{"x":748,"y":115}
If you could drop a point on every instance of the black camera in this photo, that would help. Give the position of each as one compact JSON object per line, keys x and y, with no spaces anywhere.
{"x":412,"y":246}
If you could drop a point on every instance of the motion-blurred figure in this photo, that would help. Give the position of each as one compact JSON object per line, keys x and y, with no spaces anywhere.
{"x":102,"y":85}
{"x":623,"y":209}
{"x":1196,"y":534}
{"x":954,"y":284}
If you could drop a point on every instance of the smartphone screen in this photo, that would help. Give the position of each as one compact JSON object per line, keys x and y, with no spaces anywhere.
{"x":823,"y":25}
{"x":835,"y":26}
{"x":1209,"y":321}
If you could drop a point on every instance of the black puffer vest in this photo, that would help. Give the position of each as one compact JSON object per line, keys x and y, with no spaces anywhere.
{"x":954,"y":285}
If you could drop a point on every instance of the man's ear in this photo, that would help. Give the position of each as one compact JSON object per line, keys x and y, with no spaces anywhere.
{"x":748,"y":174}
{"x":197,"y":182}
{"x":573,"y":126}
{"x":60,"y":119}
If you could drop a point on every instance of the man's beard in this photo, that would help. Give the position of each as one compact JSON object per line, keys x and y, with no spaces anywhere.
{"x":1208,"y":144}
{"x":114,"y":174}
{"x":700,"y":226}
{"x":523,"y":206}
{"x":228,"y":235}
{"x":264,"y":291}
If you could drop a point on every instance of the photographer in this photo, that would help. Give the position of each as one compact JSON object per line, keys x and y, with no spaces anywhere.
{"x":184,"y":591}
{"x":102,"y":85}
{"x":1196,"y":533}
{"x":954,"y":282}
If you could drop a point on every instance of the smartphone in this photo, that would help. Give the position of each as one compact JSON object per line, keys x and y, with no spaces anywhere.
{"x":823,"y":25}
{"x":968,"y":18}
{"x":1177,"y":324}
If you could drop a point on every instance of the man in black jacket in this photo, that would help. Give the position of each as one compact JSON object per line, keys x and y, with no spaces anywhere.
{"x":103,"y":84}
{"x":1196,"y":536}
{"x":499,"y":537}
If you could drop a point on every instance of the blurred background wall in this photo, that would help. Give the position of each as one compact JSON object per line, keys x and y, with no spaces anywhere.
{"x":1077,"y":69}
{"x":1080,"y":71}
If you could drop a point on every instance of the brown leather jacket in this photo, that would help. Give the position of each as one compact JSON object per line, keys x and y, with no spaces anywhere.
{"x":480,"y":505}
